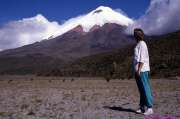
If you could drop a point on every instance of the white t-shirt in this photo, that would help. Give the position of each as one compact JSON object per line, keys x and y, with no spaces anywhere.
{"x":141,"y":55}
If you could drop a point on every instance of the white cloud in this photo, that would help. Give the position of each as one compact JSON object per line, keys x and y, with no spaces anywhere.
{"x":26,"y":31}
{"x":161,"y":17}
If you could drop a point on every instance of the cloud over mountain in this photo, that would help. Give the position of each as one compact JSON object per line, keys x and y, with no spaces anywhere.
{"x":26,"y":31}
{"x":161,"y":17}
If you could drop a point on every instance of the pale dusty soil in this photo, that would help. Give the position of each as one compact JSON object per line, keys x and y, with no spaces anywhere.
{"x":29,"y":97}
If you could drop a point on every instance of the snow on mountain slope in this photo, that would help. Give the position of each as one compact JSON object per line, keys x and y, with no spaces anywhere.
{"x":99,"y":16}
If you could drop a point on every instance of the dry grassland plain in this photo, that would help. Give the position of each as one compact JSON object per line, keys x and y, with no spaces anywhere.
{"x":31,"y":97}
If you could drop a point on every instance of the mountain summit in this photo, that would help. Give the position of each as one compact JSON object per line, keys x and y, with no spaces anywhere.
{"x":103,"y":15}
{"x":97,"y":17}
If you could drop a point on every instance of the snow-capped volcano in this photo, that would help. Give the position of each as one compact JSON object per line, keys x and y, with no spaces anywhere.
{"x":97,"y":17}
{"x":35,"y":29}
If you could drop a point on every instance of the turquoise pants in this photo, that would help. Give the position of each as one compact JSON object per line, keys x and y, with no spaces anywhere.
{"x":143,"y":84}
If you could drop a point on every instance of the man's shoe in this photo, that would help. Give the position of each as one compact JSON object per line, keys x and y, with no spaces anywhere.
{"x":149,"y":111}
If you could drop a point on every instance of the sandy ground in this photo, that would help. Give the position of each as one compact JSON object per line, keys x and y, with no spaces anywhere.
{"x":30,"y":97}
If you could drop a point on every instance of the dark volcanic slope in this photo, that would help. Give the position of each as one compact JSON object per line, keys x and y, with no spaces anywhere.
{"x":164,"y":58}
{"x":76,"y":43}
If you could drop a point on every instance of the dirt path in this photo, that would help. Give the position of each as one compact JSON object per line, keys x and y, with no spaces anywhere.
{"x":31,"y":97}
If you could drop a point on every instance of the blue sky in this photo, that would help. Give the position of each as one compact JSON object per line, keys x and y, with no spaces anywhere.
{"x":155,"y":17}
{"x":60,"y":10}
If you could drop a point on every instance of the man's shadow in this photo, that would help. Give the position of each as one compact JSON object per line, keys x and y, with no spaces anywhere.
{"x":120,"y":109}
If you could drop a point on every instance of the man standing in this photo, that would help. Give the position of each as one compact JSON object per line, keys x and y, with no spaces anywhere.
{"x":142,"y":69}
